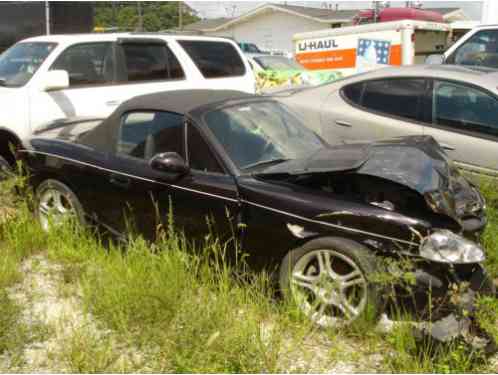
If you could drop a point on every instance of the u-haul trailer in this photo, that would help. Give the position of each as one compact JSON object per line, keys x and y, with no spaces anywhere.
{"x":360,"y":48}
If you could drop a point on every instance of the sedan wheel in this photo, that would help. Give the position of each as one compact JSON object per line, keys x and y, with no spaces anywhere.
{"x":329,"y":284}
{"x":57,"y":204}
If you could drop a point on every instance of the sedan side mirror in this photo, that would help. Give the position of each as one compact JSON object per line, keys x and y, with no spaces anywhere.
{"x":55,"y":80}
{"x":169,"y":162}
{"x":434,"y":59}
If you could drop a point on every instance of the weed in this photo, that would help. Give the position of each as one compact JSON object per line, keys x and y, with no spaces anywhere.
{"x":191,"y":310}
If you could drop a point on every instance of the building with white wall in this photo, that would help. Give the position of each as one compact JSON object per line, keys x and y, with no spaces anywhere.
{"x":271,"y":26}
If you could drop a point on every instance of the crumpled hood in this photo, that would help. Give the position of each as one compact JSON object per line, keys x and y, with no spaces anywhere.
{"x":417,"y":162}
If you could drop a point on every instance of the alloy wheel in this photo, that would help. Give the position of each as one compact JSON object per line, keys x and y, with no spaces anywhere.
{"x":54,"y":207}
{"x":329,"y":287}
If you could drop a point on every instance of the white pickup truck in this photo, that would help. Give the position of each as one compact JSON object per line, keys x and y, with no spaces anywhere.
{"x":48,"y":78}
{"x":478,"y":47}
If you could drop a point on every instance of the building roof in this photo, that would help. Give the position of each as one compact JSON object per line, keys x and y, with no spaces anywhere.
{"x":206,"y":24}
{"x":320,"y":15}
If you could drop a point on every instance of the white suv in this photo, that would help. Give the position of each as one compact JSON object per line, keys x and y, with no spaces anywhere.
{"x":47,"y":78}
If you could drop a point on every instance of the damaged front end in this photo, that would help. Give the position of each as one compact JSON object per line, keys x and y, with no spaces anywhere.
{"x":412,"y":193}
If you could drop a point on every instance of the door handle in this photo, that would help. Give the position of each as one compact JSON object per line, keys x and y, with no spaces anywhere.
{"x":112,"y":103}
{"x":343,"y":123}
{"x":121,"y":181}
{"x":447,"y":147}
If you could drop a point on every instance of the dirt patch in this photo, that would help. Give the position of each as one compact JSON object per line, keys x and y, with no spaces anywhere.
{"x":53,"y":312}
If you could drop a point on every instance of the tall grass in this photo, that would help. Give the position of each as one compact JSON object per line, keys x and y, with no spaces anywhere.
{"x":198,"y":312}
{"x":191,"y":310}
{"x":490,"y":238}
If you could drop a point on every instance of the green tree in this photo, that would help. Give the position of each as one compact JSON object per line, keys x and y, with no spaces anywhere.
{"x":156,"y":15}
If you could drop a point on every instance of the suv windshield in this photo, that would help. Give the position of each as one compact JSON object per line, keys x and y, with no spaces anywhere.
{"x":21,"y":61}
{"x":278,"y":63}
{"x":260,"y":133}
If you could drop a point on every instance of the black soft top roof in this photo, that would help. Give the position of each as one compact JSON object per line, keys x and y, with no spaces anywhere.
{"x":182,"y":102}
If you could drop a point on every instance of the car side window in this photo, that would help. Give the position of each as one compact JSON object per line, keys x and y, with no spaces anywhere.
{"x":397,"y":97}
{"x":145,"y":134}
{"x":353,"y":92}
{"x":200,"y":156}
{"x":462,"y":107}
{"x":480,"y":49}
{"x":214,"y":59}
{"x":87,"y":63}
{"x":149,"y":62}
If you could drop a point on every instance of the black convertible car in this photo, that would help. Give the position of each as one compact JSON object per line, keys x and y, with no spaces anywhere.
{"x":325,"y":215}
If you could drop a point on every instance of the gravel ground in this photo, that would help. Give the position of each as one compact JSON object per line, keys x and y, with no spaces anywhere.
{"x":58,"y":312}
{"x":55,"y":309}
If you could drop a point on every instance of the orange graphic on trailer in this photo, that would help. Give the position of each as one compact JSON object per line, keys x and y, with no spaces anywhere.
{"x":369,"y":53}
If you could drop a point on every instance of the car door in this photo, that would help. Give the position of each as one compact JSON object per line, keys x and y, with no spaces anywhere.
{"x":463,"y":118}
{"x":92,"y":91}
{"x":143,"y":197}
{"x":374,"y":109}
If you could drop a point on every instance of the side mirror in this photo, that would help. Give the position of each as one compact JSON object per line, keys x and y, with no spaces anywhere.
{"x":434,"y":59}
{"x":169,"y":162}
{"x":55,"y":80}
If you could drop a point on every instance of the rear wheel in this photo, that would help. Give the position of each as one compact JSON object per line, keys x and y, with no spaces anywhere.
{"x":328,"y":278}
{"x":56,"y":203}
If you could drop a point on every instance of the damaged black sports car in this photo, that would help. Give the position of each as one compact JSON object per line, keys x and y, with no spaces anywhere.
{"x":223,"y":160}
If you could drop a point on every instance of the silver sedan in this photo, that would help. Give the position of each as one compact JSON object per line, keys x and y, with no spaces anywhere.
{"x":458,"y":106}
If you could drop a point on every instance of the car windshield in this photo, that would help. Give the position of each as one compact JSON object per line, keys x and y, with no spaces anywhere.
{"x":278,"y":63}
{"x":260,"y":133}
{"x":21,"y":61}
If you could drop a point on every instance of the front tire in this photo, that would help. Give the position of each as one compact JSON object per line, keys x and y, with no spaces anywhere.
{"x":56,"y":203}
{"x":329,"y":279}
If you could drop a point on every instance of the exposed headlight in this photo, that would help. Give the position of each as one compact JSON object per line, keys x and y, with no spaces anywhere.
{"x":445,"y":246}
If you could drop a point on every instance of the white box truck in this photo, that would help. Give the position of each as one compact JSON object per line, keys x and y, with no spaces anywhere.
{"x":359,"y":48}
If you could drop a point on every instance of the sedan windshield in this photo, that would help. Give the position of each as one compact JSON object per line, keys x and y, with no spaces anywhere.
{"x":21,"y":61}
{"x":278,"y":63}
{"x":258,"y":134}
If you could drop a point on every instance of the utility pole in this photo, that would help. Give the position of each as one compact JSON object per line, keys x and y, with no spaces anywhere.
{"x":114,"y":14}
{"x":180,"y":15}
{"x":140,"y":26}
{"x":47,"y":17}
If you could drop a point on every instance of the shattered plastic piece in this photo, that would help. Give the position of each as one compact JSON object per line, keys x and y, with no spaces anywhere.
{"x":449,"y":328}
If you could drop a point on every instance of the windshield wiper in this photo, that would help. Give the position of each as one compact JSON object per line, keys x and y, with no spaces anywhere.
{"x":264,"y":162}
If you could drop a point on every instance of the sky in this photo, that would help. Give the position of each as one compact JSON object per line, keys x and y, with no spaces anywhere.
{"x":214,"y":9}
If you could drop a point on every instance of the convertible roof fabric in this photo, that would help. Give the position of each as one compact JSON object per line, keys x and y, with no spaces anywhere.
{"x":183,"y":102}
